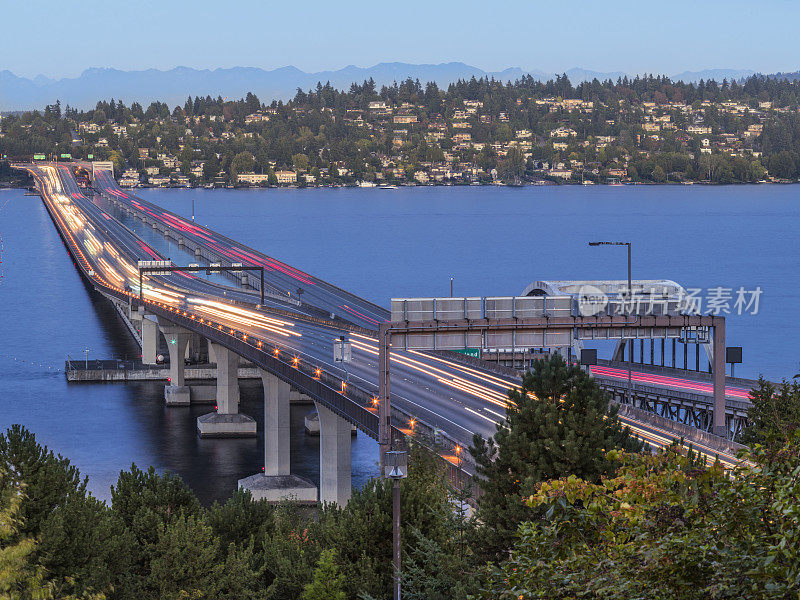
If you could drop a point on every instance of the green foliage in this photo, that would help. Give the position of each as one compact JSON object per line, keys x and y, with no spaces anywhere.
{"x":361,"y":534}
{"x":85,"y":547}
{"x":241,"y":520}
{"x":243,"y":162}
{"x":19,"y":579}
{"x":189,"y":562}
{"x":327,"y":581}
{"x":325,"y":128}
{"x":290,"y":553}
{"x":663,"y":527}
{"x":437,"y":569}
{"x":147,"y":503}
{"x":49,"y":479}
{"x":183,"y":565}
{"x":559,"y":423}
{"x":775,"y":413}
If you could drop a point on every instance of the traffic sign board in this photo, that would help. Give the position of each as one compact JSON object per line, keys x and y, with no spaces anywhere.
{"x":342,"y":351}
{"x":154,"y":264}
{"x":473,"y":352}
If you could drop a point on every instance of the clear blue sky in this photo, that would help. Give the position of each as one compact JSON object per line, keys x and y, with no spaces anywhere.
{"x":62,"y":38}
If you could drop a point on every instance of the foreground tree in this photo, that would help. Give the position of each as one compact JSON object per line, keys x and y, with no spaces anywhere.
{"x":85,"y":548}
{"x":775,"y":413}
{"x":558,"y":423}
{"x":19,"y":579}
{"x":49,"y":478}
{"x":327,"y":582}
{"x":663,"y":527}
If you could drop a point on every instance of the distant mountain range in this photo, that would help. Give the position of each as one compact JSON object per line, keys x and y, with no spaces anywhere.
{"x":174,"y":85}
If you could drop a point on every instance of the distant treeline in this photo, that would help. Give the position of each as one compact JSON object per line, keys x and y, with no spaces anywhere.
{"x":319,"y":131}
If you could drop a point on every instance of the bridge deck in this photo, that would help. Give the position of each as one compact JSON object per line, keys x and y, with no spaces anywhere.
{"x":447,"y":395}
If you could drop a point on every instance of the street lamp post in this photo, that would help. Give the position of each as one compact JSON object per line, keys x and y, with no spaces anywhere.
{"x":397,"y":459}
{"x":342,"y":342}
{"x":451,"y":287}
{"x":630,"y":297}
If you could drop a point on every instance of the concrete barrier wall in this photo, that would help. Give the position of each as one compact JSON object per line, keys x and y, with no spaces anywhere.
{"x":204,"y":372}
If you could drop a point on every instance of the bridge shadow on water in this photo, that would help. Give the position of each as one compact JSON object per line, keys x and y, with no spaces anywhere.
{"x":212,"y":467}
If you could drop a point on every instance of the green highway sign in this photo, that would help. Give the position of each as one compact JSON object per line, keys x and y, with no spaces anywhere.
{"x":39,"y":157}
{"x":91,"y":156}
{"x":473,"y":352}
{"x":66,"y":156}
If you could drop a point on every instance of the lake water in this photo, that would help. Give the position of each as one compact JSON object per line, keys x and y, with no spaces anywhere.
{"x":378,"y":244}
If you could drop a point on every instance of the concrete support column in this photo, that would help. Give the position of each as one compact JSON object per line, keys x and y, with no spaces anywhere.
{"x":149,"y":340}
{"x":177,"y":392}
{"x":276,"y":483}
{"x":334,"y":457}
{"x":227,"y":380}
{"x":227,"y":421}
{"x":276,"y":425}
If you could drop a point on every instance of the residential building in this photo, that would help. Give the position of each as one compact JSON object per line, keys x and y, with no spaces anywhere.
{"x":286,"y":177}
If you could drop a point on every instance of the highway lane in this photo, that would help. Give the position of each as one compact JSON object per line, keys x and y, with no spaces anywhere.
{"x":668,"y":381}
{"x":113,"y":259}
{"x":213,"y":241}
{"x":459,"y":399}
{"x":315,"y":291}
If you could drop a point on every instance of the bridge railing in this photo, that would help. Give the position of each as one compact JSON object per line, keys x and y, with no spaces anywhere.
{"x":355,"y":404}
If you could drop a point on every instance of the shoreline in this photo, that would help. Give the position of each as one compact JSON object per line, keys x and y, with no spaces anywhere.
{"x":437,"y":185}
{"x":11,"y":186}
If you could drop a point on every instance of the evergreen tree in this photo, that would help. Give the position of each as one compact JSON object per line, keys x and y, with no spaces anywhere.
{"x":241,"y":519}
{"x":147,"y":503}
{"x":85,"y":548}
{"x":185,"y":560}
{"x":327,"y":582}
{"x":774,"y":416}
{"x":19,"y":579}
{"x":558,"y":423}
{"x":49,"y":478}
{"x":437,"y":570}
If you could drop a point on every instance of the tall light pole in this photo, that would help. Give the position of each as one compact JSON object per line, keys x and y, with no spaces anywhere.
{"x":630,"y":298}
{"x":451,"y":287}
{"x":397,"y":460}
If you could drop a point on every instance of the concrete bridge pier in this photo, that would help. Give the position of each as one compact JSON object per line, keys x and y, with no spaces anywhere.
{"x":226,"y":421}
{"x":334,"y":457}
{"x":277,"y":483}
{"x":177,"y":392}
{"x":149,"y":329}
